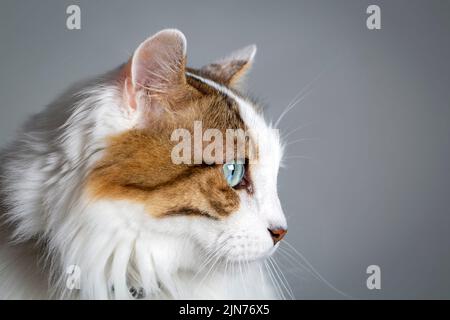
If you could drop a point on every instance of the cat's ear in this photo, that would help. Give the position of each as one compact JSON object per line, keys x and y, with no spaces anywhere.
{"x":157,"y":67}
{"x":231,"y":69}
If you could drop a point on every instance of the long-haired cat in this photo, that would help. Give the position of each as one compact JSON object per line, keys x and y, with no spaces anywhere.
{"x":93,"y":207}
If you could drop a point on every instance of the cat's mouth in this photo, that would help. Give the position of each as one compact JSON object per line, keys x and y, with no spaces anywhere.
{"x":233,"y":262}
{"x":249,"y":257}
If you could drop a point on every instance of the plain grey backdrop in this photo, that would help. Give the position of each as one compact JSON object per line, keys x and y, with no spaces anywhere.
{"x":367,"y":183}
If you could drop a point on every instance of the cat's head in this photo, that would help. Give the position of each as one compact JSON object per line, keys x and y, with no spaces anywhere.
{"x":230,"y":207}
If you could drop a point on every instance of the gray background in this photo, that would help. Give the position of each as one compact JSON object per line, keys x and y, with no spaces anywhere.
{"x":374,"y":186}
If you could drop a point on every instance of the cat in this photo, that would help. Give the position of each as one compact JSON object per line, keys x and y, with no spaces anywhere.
{"x":93,"y":207}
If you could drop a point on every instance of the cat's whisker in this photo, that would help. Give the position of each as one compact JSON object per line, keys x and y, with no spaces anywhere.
{"x":298,"y":157}
{"x":301,"y":94}
{"x":298,"y":265}
{"x":283,"y":278}
{"x":202,"y":265}
{"x":225,"y":272}
{"x":208,"y":258}
{"x":298,"y":128}
{"x":315,"y":273}
{"x":247,"y":267}
{"x":261,"y":274}
{"x":300,"y":140}
{"x":277,"y":276}
{"x":290,"y":107}
{"x":242,"y":277}
{"x":274,"y":281}
{"x":214,"y":257}
{"x":271,"y":279}
{"x":218,"y":257}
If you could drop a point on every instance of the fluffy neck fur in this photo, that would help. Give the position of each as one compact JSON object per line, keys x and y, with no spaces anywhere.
{"x":50,"y":225}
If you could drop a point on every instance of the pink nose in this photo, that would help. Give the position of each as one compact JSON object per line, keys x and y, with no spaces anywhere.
{"x":277,"y":234}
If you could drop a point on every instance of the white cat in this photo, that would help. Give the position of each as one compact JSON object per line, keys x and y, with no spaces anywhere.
{"x":88,"y":187}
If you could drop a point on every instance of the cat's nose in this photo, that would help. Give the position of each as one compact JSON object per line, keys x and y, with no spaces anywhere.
{"x":277,"y":234}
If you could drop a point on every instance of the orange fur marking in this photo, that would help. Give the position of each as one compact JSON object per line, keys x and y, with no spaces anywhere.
{"x":137,"y":164}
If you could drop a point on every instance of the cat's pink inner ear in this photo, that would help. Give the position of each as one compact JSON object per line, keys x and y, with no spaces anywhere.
{"x":157,"y":66}
{"x":130,"y":94}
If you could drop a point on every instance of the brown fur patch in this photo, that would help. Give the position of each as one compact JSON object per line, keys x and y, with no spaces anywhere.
{"x":137,"y":164}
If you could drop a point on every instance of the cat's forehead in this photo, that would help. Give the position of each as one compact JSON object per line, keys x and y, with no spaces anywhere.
{"x":250,"y":118}
{"x":213,"y":106}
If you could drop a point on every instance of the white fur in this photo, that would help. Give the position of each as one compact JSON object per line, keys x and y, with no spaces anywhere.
{"x":52,"y":224}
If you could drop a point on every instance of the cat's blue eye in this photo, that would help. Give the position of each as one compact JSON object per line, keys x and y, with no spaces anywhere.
{"x":233,"y":172}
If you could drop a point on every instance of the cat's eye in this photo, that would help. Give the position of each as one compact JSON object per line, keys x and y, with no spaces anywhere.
{"x":233,"y":172}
